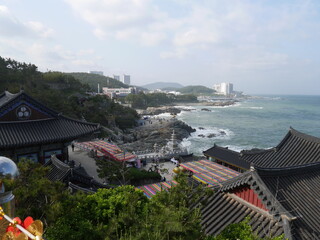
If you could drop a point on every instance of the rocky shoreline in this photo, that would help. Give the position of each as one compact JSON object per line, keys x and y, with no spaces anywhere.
{"x":176,"y":109}
{"x":154,"y":131}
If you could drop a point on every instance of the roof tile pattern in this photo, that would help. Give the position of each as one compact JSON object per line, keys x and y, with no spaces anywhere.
{"x":224,"y":209}
{"x":226,"y":155}
{"x":13,"y":134}
{"x":56,"y":128}
{"x":295,"y":149}
{"x":298,"y":191}
{"x":290,"y":194}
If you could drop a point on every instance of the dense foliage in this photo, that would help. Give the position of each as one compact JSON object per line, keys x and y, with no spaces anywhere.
{"x":118,"y":213}
{"x":143,"y":100}
{"x":197,"y":90}
{"x":63,"y":93}
{"x":125,"y":213}
{"x":118,"y":173}
{"x":35,"y":195}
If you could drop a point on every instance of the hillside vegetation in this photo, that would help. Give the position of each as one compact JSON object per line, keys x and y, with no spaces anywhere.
{"x":162,"y":85}
{"x":197,"y":90}
{"x":92,"y":80}
{"x":63,"y":93}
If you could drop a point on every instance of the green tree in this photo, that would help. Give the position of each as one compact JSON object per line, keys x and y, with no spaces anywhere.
{"x":241,"y":231}
{"x":35,"y":195}
{"x":107,"y":214}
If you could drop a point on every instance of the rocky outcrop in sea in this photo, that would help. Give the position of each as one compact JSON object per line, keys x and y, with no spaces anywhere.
{"x":156,"y":132}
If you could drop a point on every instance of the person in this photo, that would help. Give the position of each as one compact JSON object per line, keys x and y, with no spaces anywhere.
{"x":72,"y":146}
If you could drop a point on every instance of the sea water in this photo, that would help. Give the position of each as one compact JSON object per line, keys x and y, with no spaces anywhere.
{"x":260,"y":122}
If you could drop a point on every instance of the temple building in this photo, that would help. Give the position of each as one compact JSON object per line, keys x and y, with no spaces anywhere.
{"x":277,"y":200}
{"x":226,"y":157}
{"x":278,"y":189}
{"x":296,"y":148}
{"x":28,"y":129}
{"x":75,"y":177}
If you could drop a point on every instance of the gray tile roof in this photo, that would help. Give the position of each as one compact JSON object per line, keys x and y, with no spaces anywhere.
{"x":295,"y":149}
{"x":224,"y":209}
{"x":56,"y":128}
{"x":226,"y":155}
{"x":297,"y":189}
{"x":290,"y":194}
{"x":75,"y":178}
{"x":18,"y":134}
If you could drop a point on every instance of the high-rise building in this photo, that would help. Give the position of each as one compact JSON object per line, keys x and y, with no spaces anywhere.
{"x":126,"y":79}
{"x":224,"y":88}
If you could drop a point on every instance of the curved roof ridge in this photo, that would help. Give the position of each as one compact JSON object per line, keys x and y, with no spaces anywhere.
{"x":7,"y":96}
{"x":288,"y":170}
{"x":304,"y":136}
{"x":13,"y":96}
{"x":28,"y":121}
{"x":225,"y":148}
{"x":256,"y":151}
{"x":234,"y":182}
{"x":79,"y":121}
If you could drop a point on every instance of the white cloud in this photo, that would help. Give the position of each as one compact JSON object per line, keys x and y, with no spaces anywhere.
{"x":177,"y":53}
{"x":40,"y":29}
{"x":59,"y":58}
{"x":152,"y":38}
{"x":12,"y":27}
{"x":112,"y":13}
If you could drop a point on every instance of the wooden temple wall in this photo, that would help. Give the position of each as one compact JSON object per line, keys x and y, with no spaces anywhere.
{"x":39,"y":153}
{"x":250,"y":196}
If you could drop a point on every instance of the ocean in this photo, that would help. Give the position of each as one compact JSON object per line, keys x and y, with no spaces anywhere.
{"x":260,"y":122}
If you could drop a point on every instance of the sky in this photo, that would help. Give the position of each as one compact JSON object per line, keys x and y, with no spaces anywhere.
{"x":261,"y":46}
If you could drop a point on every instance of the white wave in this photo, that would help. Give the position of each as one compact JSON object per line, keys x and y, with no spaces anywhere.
{"x":163,"y":115}
{"x":185,"y":107}
{"x":240,"y":148}
{"x":259,"y":108}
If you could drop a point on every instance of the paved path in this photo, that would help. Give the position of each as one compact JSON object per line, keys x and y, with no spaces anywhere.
{"x":88,"y":163}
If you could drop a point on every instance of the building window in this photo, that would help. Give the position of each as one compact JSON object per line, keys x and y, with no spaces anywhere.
{"x":30,"y":156}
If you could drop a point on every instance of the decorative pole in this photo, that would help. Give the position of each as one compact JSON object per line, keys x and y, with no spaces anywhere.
{"x":36,"y":227}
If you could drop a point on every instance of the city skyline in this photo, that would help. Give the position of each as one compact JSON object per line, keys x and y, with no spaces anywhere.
{"x":262,"y":47}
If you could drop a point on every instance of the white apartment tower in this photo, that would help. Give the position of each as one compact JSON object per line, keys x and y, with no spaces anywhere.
{"x":126,"y":79}
{"x":223,"y":88}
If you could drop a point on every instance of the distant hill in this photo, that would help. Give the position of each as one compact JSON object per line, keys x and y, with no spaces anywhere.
{"x":93,"y":79}
{"x":160,"y":85}
{"x":196,"y":90}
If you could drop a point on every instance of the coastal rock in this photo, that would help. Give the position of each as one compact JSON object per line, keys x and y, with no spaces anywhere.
{"x":205,"y":109}
{"x":201,"y":128}
{"x":158,"y":133}
{"x":159,"y":110}
{"x":224,"y":103}
{"x":201,"y":135}
{"x":211,"y":135}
